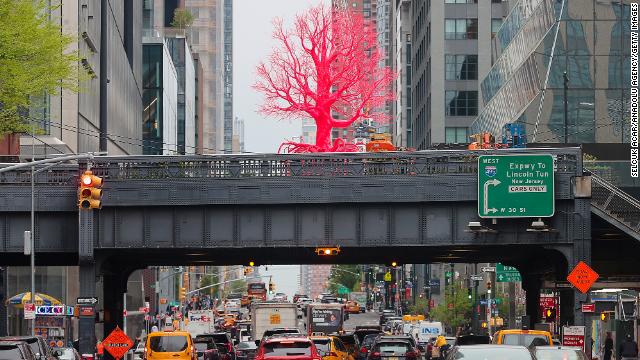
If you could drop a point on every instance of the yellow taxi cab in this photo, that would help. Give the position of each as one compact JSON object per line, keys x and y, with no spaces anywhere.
{"x":175,"y":345}
{"x":353,"y":307}
{"x":230,"y":320}
{"x":330,"y":348}
{"x":523,"y":337}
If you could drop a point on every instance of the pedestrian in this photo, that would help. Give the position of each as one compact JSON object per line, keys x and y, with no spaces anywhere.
{"x":99,"y":349}
{"x":608,"y":347}
{"x":628,"y":349}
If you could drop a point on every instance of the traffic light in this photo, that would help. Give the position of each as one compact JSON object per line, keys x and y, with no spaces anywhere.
{"x":488,"y":285}
{"x":251,"y":263}
{"x":272,"y":288}
{"x":604,"y":316}
{"x":247,"y":271}
{"x":550,"y":314}
{"x":394,"y":263}
{"x":327,"y":251}
{"x":469,"y":293}
{"x":90,"y":194}
{"x":183,"y":293}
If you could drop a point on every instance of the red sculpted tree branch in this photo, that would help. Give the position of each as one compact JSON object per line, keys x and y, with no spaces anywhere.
{"x":326,"y":64}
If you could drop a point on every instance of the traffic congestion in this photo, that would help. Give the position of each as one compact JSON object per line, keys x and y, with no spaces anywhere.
{"x":248,"y":327}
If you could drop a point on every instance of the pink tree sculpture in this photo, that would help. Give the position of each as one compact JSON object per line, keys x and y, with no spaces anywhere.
{"x":327,"y":64}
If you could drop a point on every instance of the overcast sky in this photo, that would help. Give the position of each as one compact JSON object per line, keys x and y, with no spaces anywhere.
{"x":252,"y":43}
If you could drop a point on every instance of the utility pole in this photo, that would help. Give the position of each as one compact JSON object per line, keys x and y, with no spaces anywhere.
{"x":566,"y":107}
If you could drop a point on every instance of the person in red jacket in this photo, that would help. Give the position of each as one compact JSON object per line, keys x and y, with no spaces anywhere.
{"x":99,"y":349}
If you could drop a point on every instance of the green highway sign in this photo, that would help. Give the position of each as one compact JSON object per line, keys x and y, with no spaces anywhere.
{"x":515,"y":186}
{"x":507,"y":274}
{"x":342,"y":290}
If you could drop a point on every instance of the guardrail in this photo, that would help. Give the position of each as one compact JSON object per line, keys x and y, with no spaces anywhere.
{"x":421,"y":163}
{"x":617,"y":204}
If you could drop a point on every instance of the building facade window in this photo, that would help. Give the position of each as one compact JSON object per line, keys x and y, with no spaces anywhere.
{"x":456,"y":135}
{"x":461,"y":103}
{"x":460,"y":29}
{"x":495,"y":25}
{"x":461,"y":67}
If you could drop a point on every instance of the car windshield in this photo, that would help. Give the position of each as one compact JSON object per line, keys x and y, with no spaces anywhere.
{"x":173,"y":343}
{"x":525,"y":340}
{"x":33,"y":344}
{"x":368,"y":341}
{"x":394,"y":348}
{"x":10,"y":353}
{"x":246,"y":345}
{"x":201,"y":346}
{"x":494,"y":353}
{"x":323,"y":345}
{"x":287,"y":348}
{"x":348,"y":340}
{"x":558,"y":354}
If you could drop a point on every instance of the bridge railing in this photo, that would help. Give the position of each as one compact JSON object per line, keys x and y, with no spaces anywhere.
{"x":616,"y":203}
{"x":421,"y":163}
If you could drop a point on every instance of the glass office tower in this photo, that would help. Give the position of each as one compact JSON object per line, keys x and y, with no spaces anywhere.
{"x":532,"y":50}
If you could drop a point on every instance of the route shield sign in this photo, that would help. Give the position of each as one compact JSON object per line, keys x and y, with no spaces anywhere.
{"x":515,"y":186}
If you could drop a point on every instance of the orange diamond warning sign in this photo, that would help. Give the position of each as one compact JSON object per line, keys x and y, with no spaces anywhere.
{"x":582,"y":277}
{"x":117,"y":343}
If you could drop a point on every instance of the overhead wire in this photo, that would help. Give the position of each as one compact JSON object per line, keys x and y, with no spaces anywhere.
{"x":132,"y":141}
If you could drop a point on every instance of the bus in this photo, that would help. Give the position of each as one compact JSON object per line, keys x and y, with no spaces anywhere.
{"x":258,"y":290}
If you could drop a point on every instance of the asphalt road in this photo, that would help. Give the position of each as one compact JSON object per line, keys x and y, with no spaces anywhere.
{"x":368,"y":318}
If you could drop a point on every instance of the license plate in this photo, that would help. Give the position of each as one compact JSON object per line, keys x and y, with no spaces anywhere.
{"x":393,"y":358}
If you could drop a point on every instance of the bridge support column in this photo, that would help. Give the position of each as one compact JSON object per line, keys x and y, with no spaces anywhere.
{"x":3,"y":307}
{"x":115,"y":285}
{"x":532,"y":284}
{"x":87,"y":277}
{"x":87,"y":324}
{"x":581,"y":233}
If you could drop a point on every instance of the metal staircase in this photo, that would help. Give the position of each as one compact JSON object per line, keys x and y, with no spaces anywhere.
{"x":615,"y":206}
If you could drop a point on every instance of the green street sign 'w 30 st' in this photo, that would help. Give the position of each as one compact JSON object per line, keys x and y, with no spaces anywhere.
{"x":515,"y":186}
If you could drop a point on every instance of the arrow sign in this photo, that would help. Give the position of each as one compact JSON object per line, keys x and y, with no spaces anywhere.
{"x":86,"y":301}
{"x":494,"y":182}
{"x":488,"y":269}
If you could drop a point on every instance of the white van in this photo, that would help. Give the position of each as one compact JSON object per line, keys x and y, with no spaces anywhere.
{"x":426,"y":330}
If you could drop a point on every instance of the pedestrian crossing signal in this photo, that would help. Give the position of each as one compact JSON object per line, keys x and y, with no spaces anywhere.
{"x":272,"y":288}
{"x":90,"y":193}
{"x":550,"y":314}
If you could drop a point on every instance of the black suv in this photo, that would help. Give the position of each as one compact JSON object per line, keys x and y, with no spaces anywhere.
{"x":393,"y":348}
{"x":37,"y":345}
{"x":223,"y":342}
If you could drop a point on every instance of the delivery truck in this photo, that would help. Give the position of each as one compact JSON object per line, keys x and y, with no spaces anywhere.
{"x":267,"y":316}
{"x":324,"y":318}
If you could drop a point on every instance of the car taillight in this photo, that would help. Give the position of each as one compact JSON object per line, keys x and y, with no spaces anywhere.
{"x":375,"y":355}
{"x":411,"y":355}
{"x":363,"y":350}
{"x":229,"y":347}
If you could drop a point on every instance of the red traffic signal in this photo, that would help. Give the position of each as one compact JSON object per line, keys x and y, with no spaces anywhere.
{"x":90,"y":194}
